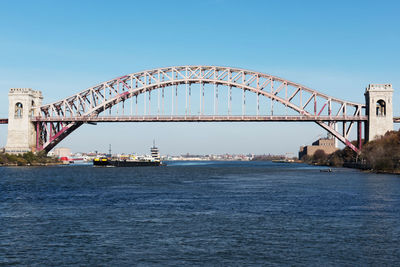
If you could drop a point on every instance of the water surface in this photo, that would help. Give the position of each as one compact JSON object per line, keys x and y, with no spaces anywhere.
{"x":208,"y":213}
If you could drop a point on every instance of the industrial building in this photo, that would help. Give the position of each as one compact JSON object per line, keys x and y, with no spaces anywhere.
{"x":325,"y":144}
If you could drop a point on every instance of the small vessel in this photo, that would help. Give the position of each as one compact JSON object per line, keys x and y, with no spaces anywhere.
{"x":130,"y":161}
{"x":326,"y":170}
{"x":101,"y":161}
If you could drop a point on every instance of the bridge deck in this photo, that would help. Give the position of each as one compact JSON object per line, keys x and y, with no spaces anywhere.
{"x":3,"y":121}
{"x":201,"y":118}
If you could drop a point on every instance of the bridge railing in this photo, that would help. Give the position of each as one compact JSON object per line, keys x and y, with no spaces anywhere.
{"x":169,"y":118}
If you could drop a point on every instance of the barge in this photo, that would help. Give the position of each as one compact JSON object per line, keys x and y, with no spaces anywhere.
{"x":130,"y":161}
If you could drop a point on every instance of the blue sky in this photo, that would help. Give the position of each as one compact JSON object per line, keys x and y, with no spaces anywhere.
{"x":63,"y":47}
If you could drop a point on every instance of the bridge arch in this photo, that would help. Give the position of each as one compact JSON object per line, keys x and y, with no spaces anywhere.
{"x":57,"y":120}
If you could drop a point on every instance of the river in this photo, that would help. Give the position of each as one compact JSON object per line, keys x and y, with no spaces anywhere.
{"x":198,"y":213}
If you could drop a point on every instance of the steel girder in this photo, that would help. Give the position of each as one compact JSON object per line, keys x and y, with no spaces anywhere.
{"x":60,"y":118}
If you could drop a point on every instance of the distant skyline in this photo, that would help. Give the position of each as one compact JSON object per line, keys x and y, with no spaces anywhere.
{"x":64,"y":47}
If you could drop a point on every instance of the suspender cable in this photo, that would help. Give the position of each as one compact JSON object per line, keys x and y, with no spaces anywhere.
{"x":229,"y":100}
{"x":136,"y":106}
{"x":190,"y":96}
{"x":163,"y":101}
{"x":131,"y":97}
{"x":176,"y":99}
{"x":215,"y":101}
{"x":202,"y":88}
{"x":200,"y":99}
{"x":244,"y":103}
{"x":144,"y":103}
{"x":158,"y":101}
{"x":172,"y":101}
{"x":149,"y":102}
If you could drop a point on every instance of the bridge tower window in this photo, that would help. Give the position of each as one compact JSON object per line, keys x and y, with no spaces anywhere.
{"x":33,"y":109}
{"x":380,"y":108}
{"x":18,"y":110}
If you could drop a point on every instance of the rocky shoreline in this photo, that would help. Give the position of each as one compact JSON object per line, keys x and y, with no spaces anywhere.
{"x":27,"y":159}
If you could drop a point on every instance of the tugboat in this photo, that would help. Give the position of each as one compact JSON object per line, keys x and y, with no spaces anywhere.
{"x":154,"y":152}
{"x":101,"y":161}
{"x":130,"y":161}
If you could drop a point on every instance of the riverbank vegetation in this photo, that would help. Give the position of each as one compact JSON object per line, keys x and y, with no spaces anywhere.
{"x":26,"y":159}
{"x":383,"y":154}
{"x":380,"y":155}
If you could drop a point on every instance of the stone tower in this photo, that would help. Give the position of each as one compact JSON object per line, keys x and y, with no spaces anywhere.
{"x":378,"y":98}
{"x":21,"y":136}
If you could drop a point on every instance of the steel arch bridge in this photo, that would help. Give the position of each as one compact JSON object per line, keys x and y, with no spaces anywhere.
{"x":168,"y":95}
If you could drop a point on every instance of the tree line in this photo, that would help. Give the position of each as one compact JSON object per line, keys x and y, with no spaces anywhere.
{"x":382,"y":155}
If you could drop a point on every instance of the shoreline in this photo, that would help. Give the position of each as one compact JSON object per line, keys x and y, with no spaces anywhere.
{"x":31,"y":164}
{"x":360,"y":167}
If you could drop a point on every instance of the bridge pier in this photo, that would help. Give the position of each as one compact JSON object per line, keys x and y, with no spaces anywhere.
{"x":379,"y":109}
{"x":21,"y":136}
{"x":359,"y":135}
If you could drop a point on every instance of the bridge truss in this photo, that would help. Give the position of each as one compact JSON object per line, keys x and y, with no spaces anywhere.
{"x":197,"y":93}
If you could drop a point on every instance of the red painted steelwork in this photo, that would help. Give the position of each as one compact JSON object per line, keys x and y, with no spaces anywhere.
{"x":359,"y":139}
{"x":37,"y":135}
{"x":319,"y":113}
{"x":87,"y":105}
{"x":352,"y":146}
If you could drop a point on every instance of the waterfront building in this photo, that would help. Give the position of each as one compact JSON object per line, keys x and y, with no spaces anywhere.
{"x":61,"y":152}
{"x":325,"y":144}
